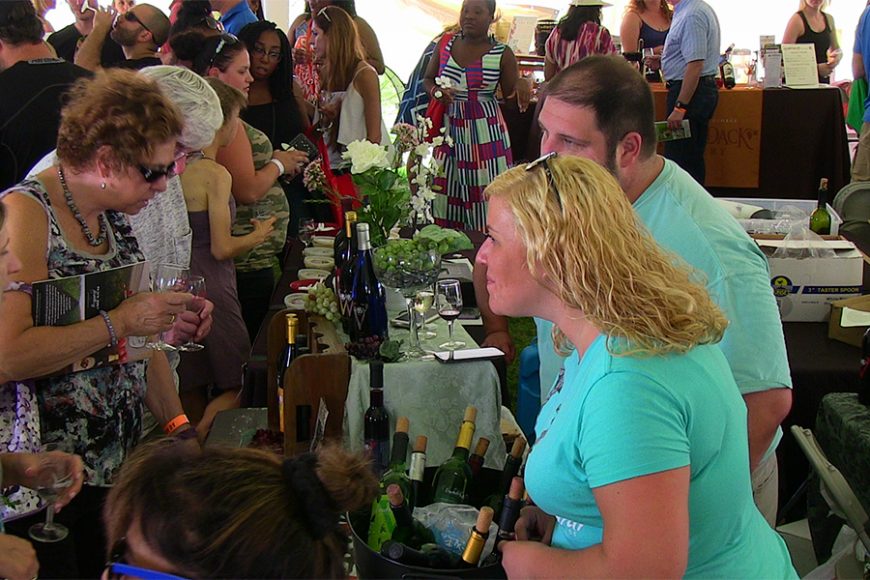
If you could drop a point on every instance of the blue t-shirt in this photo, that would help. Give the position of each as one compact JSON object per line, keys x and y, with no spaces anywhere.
{"x":694,"y":35}
{"x":616,"y":418}
{"x":862,"y":47}
{"x":686,"y":220}
{"x":238,"y":17}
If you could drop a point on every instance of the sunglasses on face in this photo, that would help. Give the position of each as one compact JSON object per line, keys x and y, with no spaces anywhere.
{"x":542,"y":162}
{"x":117,"y":566}
{"x":130,"y":16}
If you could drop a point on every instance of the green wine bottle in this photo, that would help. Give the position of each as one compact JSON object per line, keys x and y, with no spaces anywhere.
{"x":820,"y":219}
{"x":477,"y":539}
{"x":396,"y":472}
{"x":451,"y":480}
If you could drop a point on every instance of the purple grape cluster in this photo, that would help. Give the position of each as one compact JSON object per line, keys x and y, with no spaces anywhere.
{"x":366,"y":348}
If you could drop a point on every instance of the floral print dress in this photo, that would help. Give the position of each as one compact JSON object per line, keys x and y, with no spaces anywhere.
{"x":98,"y":412}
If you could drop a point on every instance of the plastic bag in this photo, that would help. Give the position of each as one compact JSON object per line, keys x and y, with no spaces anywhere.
{"x":801,"y":242}
{"x":451,"y":524}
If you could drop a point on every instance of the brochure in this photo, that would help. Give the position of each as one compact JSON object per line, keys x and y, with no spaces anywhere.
{"x":664,"y":133}
{"x":63,"y":301}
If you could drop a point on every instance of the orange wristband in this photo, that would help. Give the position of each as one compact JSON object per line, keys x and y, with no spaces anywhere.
{"x":680,"y":109}
{"x":174,"y":424}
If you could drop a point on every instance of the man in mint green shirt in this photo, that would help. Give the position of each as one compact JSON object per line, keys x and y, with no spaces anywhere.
{"x":601,"y":109}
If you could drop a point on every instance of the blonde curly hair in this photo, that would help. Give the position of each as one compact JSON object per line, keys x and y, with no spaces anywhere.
{"x":597,"y":257}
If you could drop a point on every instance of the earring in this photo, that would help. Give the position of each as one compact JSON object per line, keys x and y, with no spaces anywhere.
{"x":103,"y":185}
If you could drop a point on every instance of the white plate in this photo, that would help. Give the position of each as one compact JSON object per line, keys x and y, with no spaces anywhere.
{"x":312,"y":273}
{"x":318,"y":251}
{"x":296,"y":301}
{"x":323,"y":241}
{"x":319,"y":262}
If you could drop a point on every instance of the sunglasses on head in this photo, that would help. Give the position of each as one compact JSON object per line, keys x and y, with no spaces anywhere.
{"x":542,"y":162}
{"x":212,"y":23}
{"x":117,"y":566}
{"x":227,"y":39}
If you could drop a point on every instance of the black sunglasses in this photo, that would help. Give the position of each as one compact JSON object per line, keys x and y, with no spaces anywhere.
{"x":542,"y":162}
{"x":211,"y":23}
{"x":227,"y":39}
{"x":117,"y":566}
{"x":129,"y":16}
{"x":151,"y":174}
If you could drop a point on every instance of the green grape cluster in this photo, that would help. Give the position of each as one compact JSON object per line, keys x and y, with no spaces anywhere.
{"x":321,"y":300}
{"x":406,"y":264}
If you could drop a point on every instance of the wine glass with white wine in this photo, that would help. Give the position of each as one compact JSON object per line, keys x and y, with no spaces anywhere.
{"x":52,"y":476}
{"x":196,"y":286}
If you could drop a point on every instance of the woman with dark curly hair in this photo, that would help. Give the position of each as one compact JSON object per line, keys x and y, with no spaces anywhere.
{"x":234,"y":513}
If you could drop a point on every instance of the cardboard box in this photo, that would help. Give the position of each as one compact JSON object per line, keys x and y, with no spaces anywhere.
{"x":850,"y":318}
{"x":806,"y":287}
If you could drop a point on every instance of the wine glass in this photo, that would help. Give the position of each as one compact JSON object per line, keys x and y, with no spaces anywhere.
{"x":410,"y":271}
{"x":167,"y":278}
{"x":423,"y":302}
{"x":448,"y":299}
{"x":306,"y":230}
{"x":196,"y":286}
{"x":52,"y":477}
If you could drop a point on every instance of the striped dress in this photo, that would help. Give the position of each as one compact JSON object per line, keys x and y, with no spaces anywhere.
{"x":481,"y":145}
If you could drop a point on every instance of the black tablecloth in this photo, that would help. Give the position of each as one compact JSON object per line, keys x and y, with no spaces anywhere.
{"x":803,"y":139}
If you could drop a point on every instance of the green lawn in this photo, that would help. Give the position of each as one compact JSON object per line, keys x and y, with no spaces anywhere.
{"x":523,"y":332}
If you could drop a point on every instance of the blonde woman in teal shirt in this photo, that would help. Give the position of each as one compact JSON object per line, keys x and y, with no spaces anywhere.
{"x":641,"y":466}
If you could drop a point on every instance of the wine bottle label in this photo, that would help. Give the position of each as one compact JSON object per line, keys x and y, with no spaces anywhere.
{"x":418,"y":465}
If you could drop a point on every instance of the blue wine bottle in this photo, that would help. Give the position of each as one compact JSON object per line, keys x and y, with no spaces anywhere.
{"x":368,"y":307}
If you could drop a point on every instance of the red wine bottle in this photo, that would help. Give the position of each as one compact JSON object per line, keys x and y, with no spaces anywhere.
{"x":396,"y":472}
{"x":510,"y":510}
{"x":286,"y":359}
{"x":376,"y":426}
{"x":344,"y":253}
{"x":475,"y":461}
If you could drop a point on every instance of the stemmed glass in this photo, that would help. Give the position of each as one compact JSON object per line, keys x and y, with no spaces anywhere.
{"x":196,"y":286}
{"x":409,"y":273}
{"x":423,"y":302}
{"x":448,"y":299}
{"x":168,"y":278}
{"x":52,"y":477}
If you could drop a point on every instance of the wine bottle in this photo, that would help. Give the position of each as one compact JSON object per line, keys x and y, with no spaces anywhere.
{"x":408,"y":530}
{"x":286,"y":358}
{"x":415,"y":473}
{"x":429,"y":555}
{"x":512,"y":464}
{"x":345,"y":251}
{"x":726,"y":69}
{"x":395,"y":473}
{"x":477,"y":539}
{"x":451,"y":480}
{"x":510,"y":510}
{"x":475,"y":462}
{"x":368,"y":306}
{"x":820,"y":219}
{"x":377,"y":422}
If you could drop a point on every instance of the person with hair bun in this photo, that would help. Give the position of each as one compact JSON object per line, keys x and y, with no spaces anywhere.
{"x":644,"y":434}
{"x":234,"y":513}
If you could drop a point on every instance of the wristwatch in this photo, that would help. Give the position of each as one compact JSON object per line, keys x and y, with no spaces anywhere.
{"x":680,"y":105}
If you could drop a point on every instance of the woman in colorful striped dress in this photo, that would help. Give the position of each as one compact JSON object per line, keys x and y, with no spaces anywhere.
{"x":475,"y":65}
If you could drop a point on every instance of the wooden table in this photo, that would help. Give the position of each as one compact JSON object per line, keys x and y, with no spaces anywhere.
{"x":800,"y":139}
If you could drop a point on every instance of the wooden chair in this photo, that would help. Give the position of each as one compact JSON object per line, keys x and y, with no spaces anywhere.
{"x":323,"y":374}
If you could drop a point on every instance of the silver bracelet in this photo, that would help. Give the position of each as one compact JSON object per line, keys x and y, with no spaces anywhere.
{"x":112,"y":335}
{"x":279,"y":165}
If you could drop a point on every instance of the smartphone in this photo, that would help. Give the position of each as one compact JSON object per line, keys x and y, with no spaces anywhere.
{"x":302,"y":143}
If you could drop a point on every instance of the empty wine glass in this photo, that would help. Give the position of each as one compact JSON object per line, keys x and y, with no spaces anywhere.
{"x":448,"y":299}
{"x":196,"y":286}
{"x":167,"y":278}
{"x":306,"y":230}
{"x":52,"y":477}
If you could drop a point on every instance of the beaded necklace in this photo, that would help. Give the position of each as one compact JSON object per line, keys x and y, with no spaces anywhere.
{"x":67,"y":194}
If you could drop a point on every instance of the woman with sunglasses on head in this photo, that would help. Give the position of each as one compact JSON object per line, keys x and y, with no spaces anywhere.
{"x":350,"y":102}
{"x":255,"y":167}
{"x":116,"y":149}
{"x":189,"y":15}
{"x":276,"y":106}
{"x":302,"y":38}
{"x":644,"y":435}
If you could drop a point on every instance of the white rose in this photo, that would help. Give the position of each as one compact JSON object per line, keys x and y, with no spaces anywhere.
{"x":365,"y":155}
{"x":422,"y":150}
